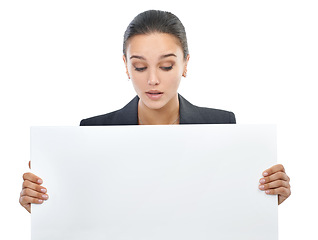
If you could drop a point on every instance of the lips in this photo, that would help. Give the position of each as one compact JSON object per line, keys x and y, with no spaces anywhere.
{"x":154,"y":94}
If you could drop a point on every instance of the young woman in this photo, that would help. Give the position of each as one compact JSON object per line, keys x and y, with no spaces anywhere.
{"x":155,"y":53}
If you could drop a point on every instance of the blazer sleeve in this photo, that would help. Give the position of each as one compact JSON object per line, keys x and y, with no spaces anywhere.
{"x":232,"y":118}
{"x":82,"y":123}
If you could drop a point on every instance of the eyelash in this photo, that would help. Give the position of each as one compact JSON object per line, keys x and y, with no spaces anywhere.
{"x":166,"y":68}
{"x":140,"y":69}
{"x":163,"y":68}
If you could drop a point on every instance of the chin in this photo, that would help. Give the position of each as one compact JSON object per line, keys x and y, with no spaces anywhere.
{"x":155,"y":105}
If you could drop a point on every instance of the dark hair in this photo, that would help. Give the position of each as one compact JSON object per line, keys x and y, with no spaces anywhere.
{"x":153,"y":21}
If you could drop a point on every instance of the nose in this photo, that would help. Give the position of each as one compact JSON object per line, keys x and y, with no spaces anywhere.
{"x":153,"y":78}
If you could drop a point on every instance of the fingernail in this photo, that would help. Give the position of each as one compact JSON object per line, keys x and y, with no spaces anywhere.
{"x":261,"y":186}
{"x":262,"y":180}
{"x":44,"y":196}
{"x":43,"y":190}
{"x":40,"y":181}
{"x":265,"y":174}
{"x":40,"y":200}
{"x":267,"y":191}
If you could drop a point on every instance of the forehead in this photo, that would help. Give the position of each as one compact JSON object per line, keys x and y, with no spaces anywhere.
{"x":153,"y":45}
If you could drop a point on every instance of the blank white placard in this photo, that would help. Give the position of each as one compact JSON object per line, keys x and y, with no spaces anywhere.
{"x":167,"y":182}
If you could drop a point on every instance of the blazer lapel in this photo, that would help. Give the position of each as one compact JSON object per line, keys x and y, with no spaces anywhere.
{"x":128,"y":115}
{"x":189,"y":114}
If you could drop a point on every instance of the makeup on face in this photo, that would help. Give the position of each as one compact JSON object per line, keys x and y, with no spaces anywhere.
{"x":155,"y":64}
{"x":140,"y":63}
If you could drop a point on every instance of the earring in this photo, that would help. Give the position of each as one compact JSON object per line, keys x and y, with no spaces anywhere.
{"x":184,"y":74}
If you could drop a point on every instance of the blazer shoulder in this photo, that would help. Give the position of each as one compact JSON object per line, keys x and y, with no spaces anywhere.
{"x":128,"y":115}
{"x":100,"y":120}
{"x":192,"y":114}
{"x":217,"y":116}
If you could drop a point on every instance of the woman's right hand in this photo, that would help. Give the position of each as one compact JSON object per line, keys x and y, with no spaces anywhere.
{"x":32,"y":191}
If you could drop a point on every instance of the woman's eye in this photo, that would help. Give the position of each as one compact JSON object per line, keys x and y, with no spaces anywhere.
{"x":140,"y":69}
{"x":166,"y":68}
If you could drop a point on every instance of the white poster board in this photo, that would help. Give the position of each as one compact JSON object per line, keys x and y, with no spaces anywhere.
{"x":154,"y":182}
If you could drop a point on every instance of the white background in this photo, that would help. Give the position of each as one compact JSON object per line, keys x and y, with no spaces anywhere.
{"x":61,"y":61}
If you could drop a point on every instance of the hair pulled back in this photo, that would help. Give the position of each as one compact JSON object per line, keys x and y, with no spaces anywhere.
{"x":156,"y":21}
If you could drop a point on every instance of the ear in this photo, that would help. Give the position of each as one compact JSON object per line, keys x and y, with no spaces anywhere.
{"x":124,"y":58}
{"x":185,"y":69}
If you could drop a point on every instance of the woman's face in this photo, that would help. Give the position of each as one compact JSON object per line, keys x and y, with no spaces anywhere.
{"x":155,"y":65}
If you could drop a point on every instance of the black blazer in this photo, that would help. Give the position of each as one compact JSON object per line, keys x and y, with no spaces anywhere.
{"x":189,"y":114}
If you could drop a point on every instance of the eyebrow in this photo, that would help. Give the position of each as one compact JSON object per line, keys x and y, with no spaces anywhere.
{"x":161,"y":57}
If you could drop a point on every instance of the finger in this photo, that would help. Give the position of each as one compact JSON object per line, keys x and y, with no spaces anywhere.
{"x":279,"y":191}
{"x":25,"y":200}
{"x":34,"y":186}
{"x":31,"y":193}
{"x":33,"y":178}
{"x":275,"y":177}
{"x":275,"y":184}
{"x":27,"y":206}
{"x":274,"y":169}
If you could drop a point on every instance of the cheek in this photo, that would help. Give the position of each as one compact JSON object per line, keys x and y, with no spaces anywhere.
{"x":171,"y":78}
{"x":139,"y":81}
{"x":138,"y":78}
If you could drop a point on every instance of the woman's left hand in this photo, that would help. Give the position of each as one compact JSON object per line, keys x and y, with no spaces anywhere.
{"x":276,"y":182}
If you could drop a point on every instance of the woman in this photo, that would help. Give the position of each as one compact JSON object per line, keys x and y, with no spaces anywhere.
{"x":155,"y":53}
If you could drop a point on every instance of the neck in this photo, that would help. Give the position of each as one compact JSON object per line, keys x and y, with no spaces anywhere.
{"x":168,"y":114}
